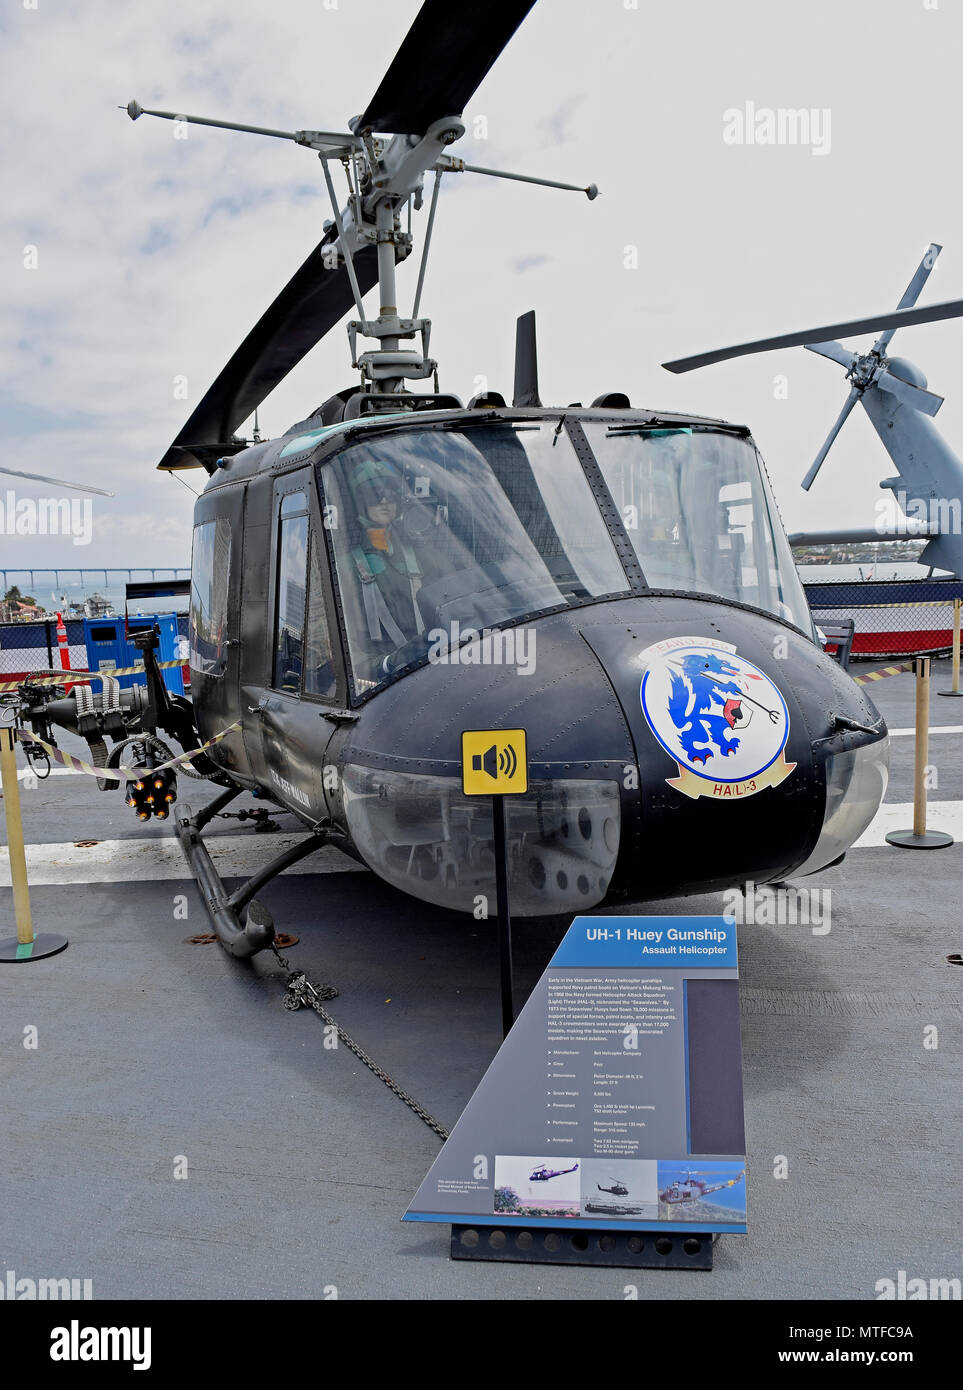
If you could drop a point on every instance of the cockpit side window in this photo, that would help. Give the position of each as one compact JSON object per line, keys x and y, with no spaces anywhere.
{"x":210,"y":570}
{"x":320,"y":678}
{"x":291,"y":592}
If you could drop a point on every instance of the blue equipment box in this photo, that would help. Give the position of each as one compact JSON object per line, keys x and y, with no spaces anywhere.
{"x":108,"y":648}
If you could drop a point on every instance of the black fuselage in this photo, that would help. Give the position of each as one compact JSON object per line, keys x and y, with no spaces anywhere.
{"x":608,"y":813}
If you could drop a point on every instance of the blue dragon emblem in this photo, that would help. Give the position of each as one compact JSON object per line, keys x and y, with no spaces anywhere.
{"x":705,"y":682}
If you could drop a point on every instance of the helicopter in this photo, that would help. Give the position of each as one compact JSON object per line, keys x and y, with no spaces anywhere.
{"x":398,"y":568}
{"x":691,"y":1188}
{"x":543,"y":1173}
{"x":893,"y":391}
{"x":618,"y":1189}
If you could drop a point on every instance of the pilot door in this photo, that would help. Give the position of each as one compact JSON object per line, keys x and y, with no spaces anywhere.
{"x":303,"y":677}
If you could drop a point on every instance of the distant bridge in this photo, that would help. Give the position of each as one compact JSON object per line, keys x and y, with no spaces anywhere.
{"x":86,"y":576}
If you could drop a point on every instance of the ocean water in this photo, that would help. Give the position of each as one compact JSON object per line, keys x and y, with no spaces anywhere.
{"x":75,"y":586}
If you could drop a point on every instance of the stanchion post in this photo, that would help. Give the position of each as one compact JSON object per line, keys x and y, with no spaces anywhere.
{"x":25,"y":945}
{"x":919,"y":837}
{"x":921,"y":745}
{"x":955,"y":687}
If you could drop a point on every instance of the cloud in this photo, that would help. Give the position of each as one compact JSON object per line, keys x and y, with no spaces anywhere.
{"x":155,"y":256}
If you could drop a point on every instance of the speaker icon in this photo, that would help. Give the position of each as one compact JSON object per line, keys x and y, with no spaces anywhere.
{"x":496,"y":761}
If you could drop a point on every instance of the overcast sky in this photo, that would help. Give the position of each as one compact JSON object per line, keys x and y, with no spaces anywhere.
{"x":155,"y":256}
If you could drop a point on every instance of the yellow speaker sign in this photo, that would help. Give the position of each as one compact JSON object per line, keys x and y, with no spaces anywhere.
{"x":493,"y":762}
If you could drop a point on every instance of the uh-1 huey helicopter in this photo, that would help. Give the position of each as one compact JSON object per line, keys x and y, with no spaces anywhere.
{"x":398,"y":568}
{"x":692,"y":1188}
{"x":544,"y":1174}
{"x":618,"y":1189}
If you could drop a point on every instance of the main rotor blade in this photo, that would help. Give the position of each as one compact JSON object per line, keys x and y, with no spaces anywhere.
{"x":851,"y":400}
{"x":910,"y":528}
{"x":440,"y":64}
{"x":835,"y":351}
{"x":311,"y":303}
{"x":59,"y":482}
{"x":896,"y":318}
{"x":912,"y":292}
{"x":926,"y":401}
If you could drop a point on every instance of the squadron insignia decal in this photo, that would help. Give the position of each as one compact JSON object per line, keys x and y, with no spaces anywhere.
{"x":721,"y":718}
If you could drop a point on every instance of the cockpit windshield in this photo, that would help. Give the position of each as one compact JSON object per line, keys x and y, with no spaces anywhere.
{"x":697,"y":508}
{"x":439,"y":534}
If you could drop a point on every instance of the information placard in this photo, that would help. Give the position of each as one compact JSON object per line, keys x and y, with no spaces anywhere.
{"x":617,"y":1096}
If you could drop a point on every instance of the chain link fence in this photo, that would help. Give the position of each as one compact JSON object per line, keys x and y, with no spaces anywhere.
{"x":893,"y":617}
{"x":27,"y":647}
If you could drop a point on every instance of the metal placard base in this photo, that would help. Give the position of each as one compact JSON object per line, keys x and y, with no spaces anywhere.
{"x":930,"y":839}
{"x":45,"y":943}
{"x":957,"y":694}
{"x":607,"y":1249}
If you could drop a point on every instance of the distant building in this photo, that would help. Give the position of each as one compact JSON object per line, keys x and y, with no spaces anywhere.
{"x":14,"y":611}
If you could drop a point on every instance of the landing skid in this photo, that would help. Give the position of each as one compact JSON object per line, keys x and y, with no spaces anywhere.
{"x":242,"y":924}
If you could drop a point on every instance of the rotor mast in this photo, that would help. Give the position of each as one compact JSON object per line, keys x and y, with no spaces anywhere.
{"x":442,"y":61}
{"x":388,"y":173}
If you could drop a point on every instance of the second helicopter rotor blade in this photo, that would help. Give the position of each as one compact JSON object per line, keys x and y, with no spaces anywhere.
{"x":850,"y":401}
{"x":912,"y":292}
{"x":441,"y":62}
{"x":59,"y":482}
{"x":835,"y":351}
{"x":896,"y":318}
{"x":908,"y":394}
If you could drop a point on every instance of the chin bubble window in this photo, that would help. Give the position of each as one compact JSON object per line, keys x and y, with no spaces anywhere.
{"x":423,"y":835}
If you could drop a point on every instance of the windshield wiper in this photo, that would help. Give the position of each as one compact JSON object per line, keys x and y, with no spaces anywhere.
{"x":658,"y":426}
{"x":658,"y":430}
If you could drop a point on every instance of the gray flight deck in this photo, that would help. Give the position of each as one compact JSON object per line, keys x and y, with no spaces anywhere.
{"x":300,"y":1162}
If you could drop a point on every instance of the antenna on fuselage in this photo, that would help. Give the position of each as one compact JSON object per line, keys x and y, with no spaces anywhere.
{"x":526,"y":361}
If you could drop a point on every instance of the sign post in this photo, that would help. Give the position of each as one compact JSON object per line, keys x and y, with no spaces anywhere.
{"x":494,"y":762}
{"x":25,"y":945}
